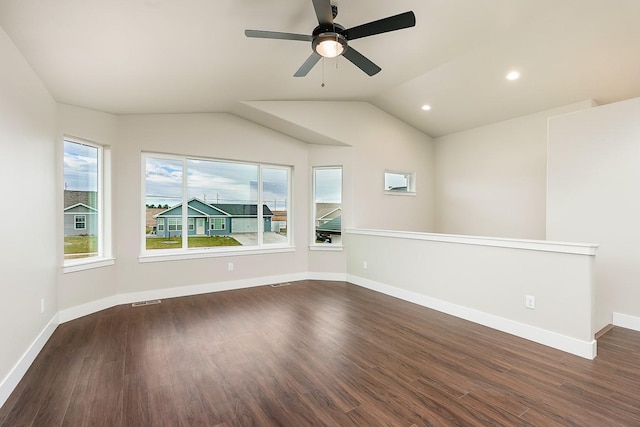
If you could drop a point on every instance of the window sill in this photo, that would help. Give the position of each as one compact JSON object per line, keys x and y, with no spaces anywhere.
{"x":327,"y":247}
{"x":73,"y":266}
{"x":211,"y":253}
{"x":400,"y":193}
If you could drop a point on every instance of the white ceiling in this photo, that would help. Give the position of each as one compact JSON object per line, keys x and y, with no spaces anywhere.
{"x":181,"y":56}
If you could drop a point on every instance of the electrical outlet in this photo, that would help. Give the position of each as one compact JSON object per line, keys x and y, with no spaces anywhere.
{"x":364,"y":265}
{"x":230,"y":266}
{"x":530,"y":302}
{"x":41,"y":305}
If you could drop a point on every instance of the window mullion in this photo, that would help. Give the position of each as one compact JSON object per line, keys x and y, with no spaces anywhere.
{"x":185,"y":207}
{"x":259,"y":210}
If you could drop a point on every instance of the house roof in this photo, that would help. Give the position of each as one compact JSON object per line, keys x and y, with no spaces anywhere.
{"x":326,"y":209}
{"x":73,"y":197}
{"x":333,"y":226}
{"x":198,"y":207}
{"x":238,"y":209}
{"x":80,"y":208}
{"x":455,"y":58}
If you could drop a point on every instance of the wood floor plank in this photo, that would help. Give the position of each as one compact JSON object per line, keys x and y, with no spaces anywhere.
{"x":315,"y":353}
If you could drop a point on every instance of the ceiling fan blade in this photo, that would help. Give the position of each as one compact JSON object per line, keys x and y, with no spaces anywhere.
{"x":308,"y":65}
{"x":323,"y":11}
{"x":276,"y":35}
{"x":392,"y":23}
{"x":361,"y":61}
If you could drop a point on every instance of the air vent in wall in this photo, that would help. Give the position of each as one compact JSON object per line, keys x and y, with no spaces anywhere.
{"x":143,"y":303}
{"x":279,"y":285}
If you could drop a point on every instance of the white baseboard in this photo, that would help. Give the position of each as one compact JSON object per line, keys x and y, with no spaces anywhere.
{"x":330,"y":277}
{"x":16,"y":373}
{"x":182,"y":291}
{"x":586,"y":349}
{"x":88,"y":308}
{"x":626,"y":321}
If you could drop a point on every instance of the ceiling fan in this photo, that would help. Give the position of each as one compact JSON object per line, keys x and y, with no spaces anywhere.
{"x":330,"y":39}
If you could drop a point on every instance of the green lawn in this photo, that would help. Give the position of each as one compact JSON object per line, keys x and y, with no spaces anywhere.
{"x":80,"y":246}
{"x":84,"y":246}
{"x":194,"y":242}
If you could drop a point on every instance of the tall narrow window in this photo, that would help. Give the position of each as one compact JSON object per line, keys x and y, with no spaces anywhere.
{"x":327,"y":206}
{"x":83,"y":200}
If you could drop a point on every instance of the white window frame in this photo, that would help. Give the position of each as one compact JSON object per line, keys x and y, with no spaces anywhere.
{"x":315,"y":246}
{"x":410,"y":178}
{"x":104,"y":229}
{"x":184,"y":252}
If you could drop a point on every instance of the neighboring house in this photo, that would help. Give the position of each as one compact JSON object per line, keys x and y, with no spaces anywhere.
{"x":212,"y":219}
{"x":73,"y":197}
{"x":279,"y":221}
{"x":327,"y":231}
{"x":80,"y":213}
{"x":325,"y":212}
{"x":80,"y":219}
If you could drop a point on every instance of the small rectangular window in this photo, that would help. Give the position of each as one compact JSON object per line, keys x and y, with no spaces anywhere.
{"x":81,"y":222}
{"x":217,"y":224}
{"x":175,"y":224}
{"x":399,"y":182}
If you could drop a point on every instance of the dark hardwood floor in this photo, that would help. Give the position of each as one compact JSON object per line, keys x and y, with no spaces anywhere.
{"x":315,"y":353}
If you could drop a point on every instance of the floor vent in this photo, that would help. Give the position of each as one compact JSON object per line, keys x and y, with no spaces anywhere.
{"x":143,"y":303}
{"x":279,"y":285}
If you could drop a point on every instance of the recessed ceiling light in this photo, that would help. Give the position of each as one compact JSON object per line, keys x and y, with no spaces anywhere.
{"x":426,"y":107}
{"x":513,"y":75}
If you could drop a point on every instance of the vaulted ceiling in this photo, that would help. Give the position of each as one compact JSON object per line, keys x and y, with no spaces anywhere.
{"x":183,"y":56}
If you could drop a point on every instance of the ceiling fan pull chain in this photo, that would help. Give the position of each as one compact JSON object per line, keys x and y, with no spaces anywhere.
{"x":322,"y":85}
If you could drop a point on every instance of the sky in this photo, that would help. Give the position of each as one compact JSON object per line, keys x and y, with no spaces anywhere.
{"x":328,"y":183}
{"x":214,"y":182}
{"x":80,"y":167}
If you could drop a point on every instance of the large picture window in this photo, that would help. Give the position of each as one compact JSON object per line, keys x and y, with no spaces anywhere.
{"x":85,"y":199}
{"x":327,"y":206}
{"x":228,"y":205}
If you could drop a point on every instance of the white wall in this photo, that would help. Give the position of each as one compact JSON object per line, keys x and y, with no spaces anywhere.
{"x":594,"y":182}
{"x":485,"y":281}
{"x":491,"y":181}
{"x":379,"y":142}
{"x":28,"y":262}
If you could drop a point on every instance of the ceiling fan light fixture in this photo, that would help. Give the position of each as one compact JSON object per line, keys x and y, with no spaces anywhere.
{"x":329,"y":45}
